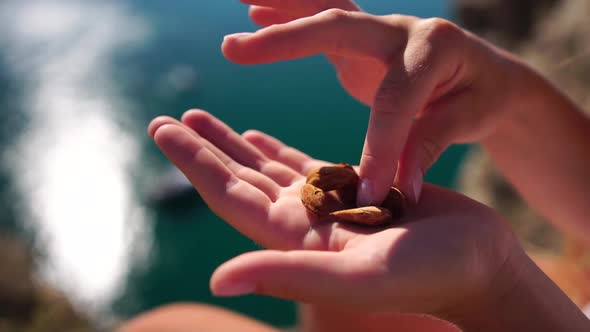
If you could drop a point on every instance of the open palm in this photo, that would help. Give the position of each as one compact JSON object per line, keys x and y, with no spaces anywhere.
{"x":444,"y":250}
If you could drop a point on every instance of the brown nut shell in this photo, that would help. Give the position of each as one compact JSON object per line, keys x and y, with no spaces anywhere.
{"x":395,"y":202}
{"x":313,"y":198}
{"x":366,"y":215}
{"x":347,"y":196}
{"x":332,"y":190}
{"x":334,"y":177}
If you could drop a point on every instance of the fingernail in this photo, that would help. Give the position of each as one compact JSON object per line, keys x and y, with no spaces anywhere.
{"x":417,"y":186}
{"x":365,"y":194}
{"x":237,"y":35}
{"x":235,"y":289}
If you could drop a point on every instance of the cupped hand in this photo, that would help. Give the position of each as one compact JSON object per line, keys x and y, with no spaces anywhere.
{"x":446,"y":252}
{"x":428,"y":82}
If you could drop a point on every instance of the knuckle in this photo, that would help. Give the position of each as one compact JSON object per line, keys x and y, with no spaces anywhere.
{"x":240,"y":171}
{"x":439,"y":30}
{"x":270,"y":167}
{"x":328,"y":4}
{"x":336,"y":19}
{"x":336,"y":14}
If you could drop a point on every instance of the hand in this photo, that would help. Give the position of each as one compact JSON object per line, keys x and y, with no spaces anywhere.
{"x":359,"y":76}
{"x":445,"y":254}
{"x":429,"y":83}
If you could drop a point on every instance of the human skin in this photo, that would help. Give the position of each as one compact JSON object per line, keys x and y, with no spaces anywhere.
{"x":190,"y":317}
{"x":477,"y":73}
{"x":252,"y":181}
{"x":431,"y":84}
{"x":535,"y":135}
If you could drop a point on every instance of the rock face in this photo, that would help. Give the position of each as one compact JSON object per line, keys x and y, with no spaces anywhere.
{"x":17,"y":292}
{"x":26,"y":304}
{"x":551,"y":35}
{"x":505,"y":22}
{"x":560,"y":49}
{"x":558,"y":45}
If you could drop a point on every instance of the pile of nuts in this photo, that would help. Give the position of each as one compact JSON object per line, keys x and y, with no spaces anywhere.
{"x":332,"y":190}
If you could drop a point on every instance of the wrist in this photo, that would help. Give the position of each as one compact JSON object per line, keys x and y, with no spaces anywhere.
{"x":477,"y":310}
{"x":523,"y":298}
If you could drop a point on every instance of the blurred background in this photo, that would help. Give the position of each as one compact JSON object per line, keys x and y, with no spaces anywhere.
{"x":95,"y":224}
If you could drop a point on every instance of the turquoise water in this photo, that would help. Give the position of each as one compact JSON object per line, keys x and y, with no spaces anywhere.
{"x":80,"y":82}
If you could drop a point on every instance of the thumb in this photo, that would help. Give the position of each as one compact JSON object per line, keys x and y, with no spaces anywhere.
{"x":302,"y":275}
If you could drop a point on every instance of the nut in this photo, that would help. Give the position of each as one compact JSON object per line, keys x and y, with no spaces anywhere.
{"x":366,"y":215}
{"x":334,"y":177}
{"x":395,"y":202}
{"x":341,"y":179}
{"x":313,"y":198}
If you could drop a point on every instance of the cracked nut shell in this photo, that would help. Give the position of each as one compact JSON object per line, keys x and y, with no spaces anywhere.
{"x":313,"y":198}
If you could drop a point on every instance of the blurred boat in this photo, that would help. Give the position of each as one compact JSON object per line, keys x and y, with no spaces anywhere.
{"x":171,"y":185}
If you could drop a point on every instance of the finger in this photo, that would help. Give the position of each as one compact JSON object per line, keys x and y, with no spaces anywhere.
{"x":265,"y":16}
{"x":282,"y":153}
{"x":431,"y":134}
{"x":304,"y":7}
{"x":255,"y":178}
{"x":427,"y":140}
{"x":404,"y":92}
{"x":306,"y":276}
{"x":334,"y":32}
{"x":236,"y":147}
{"x":227,"y":140}
{"x":391,"y":116}
{"x":236,"y":201}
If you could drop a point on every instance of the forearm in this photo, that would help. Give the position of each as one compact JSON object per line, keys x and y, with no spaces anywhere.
{"x":533,"y":303}
{"x":543,"y":149}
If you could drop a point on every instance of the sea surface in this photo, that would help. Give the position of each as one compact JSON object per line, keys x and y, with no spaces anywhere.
{"x":79,"y":82}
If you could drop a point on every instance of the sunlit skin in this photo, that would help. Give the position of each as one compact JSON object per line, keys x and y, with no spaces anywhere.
{"x":414,"y":74}
{"x":429,"y":84}
{"x":468,"y":91}
{"x":449,"y":256}
{"x":191,"y":317}
{"x":253,"y":182}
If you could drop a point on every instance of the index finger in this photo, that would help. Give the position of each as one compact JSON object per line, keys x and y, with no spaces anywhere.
{"x":406,"y":91}
{"x":304,"y":7}
{"x":334,"y":32}
{"x":396,"y":102}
